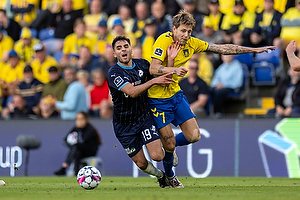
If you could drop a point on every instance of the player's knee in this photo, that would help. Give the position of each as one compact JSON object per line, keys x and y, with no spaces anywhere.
{"x":158,"y":157}
{"x":170,"y":146}
{"x":142,"y":165}
{"x":195,"y":136}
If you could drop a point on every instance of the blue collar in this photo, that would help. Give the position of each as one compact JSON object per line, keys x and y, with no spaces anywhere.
{"x":133,"y":65}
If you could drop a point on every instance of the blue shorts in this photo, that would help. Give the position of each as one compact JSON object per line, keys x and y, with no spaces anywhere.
{"x":175,"y":110}
{"x":133,"y":136}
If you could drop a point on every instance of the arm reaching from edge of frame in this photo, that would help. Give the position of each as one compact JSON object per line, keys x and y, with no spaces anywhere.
{"x":293,"y":59}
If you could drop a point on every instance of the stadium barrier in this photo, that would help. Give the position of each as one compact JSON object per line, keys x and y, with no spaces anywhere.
{"x":228,"y":147}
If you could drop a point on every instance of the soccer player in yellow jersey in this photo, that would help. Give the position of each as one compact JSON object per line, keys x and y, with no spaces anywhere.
{"x":168,"y":104}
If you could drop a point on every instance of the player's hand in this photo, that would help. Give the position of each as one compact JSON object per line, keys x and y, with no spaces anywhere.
{"x":291,"y":47}
{"x":181,"y":71}
{"x":265,"y":49}
{"x":173,"y":50}
{"x":164,"y":80}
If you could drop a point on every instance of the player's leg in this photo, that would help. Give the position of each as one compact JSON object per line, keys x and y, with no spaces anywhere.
{"x":168,"y":141}
{"x":185,"y":118}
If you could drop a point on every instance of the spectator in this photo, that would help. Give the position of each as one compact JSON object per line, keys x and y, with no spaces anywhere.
{"x":290,"y":23}
{"x":237,"y":26}
{"x":287,"y":97}
{"x":190,"y":6}
{"x":137,"y":52}
{"x":74,"y":100}
{"x":25,"y":11}
{"x":267,"y":25}
{"x":195,"y":90}
{"x":142,"y":13}
{"x":17,"y":109}
{"x":30,"y":89}
{"x":6,"y":45}
{"x":92,"y":20}
{"x":124,"y":13}
{"x":63,"y":23}
{"x":101,"y":103}
{"x":74,"y":41}
{"x":47,"y":7}
{"x":103,"y":37}
{"x":11,"y":27}
{"x":83,"y":141}
{"x":215,"y":15}
{"x":149,"y":39}
{"x":46,"y":109}
{"x":115,"y":4}
{"x":118,"y":29}
{"x":108,"y":59}
{"x":83,"y":77}
{"x":12,"y":74}
{"x":228,"y":78}
{"x":163,"y":21}
{"x":86,"y":60}
{"x":24,"y":46}
{"x":209,"y":35}
{"x":41,"y":63}
{"x":56,"y":87}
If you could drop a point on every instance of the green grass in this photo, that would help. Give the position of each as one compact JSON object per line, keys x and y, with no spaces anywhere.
{"x":44,"y":188}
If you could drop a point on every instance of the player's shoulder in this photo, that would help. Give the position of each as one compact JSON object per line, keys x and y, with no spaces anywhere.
{"x":167,"y":36}
{"x":140,"y":61}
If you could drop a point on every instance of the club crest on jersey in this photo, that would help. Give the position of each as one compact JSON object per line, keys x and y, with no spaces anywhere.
{"x":158,"y":52}
{"x":141,"y":73}
{"x":186,"y":52}
{"x":118,"y":81}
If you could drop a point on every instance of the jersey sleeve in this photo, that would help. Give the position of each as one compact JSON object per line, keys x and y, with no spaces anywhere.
{"x":116,"y":80}
{"x":161,"y":45}
{"x":200,"y":45}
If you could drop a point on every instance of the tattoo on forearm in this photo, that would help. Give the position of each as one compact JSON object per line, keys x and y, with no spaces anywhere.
{"x":167,"y":137}
{"x":160,"y":69}
{"x":228,"y":49}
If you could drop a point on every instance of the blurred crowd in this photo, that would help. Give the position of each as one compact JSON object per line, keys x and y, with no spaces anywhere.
{"x":54,"y":54}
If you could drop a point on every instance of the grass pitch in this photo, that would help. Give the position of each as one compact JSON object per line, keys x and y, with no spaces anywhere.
{"x":128,"y":188}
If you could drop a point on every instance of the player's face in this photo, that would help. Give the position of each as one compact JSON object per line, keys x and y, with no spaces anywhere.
{"x":123,"y":52}
{"x":182,"y":33}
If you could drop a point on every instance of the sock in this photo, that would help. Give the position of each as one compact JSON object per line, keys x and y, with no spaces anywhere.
{"x":181,"y":140}
{"x":168,"y":163}
{"x":153,"y":170}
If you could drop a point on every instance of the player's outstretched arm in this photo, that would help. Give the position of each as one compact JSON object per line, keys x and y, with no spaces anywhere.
{"x":232,"y":49}
{"x":135,"y":91}
{"x":293,"y":59}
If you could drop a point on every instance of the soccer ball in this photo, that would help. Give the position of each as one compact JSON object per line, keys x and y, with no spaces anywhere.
{"x":89,"y":177}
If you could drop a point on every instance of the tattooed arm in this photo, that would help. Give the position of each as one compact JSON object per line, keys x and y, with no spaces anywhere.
{"x":232,"y":49}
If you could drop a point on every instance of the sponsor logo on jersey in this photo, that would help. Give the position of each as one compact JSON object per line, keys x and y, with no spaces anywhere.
{"x":130,"y":150}
{"x":158,"y":52}
{"x":118,"y":81}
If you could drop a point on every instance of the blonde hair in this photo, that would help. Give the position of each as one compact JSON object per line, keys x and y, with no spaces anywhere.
{"x":82,"y":74}
{"x":184,"y":17}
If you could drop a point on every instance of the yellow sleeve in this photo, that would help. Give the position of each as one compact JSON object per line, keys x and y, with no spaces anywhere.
{"x":147,"y":48}
{"x":159,"y":50}
{"x":226,"y":24}
{"x":18,"y":47}
{"x":68,"y":44}
{"x":199,"y":45}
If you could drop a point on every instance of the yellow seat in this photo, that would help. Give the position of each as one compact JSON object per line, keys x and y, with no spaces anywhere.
{"x":255,"y":111}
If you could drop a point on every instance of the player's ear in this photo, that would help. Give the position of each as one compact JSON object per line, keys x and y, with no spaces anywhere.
{"x":114,"y":55}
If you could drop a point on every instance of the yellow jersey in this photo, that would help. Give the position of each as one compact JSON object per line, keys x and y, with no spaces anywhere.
{"x":147,"y":47}
{"x":25,"y":17}
{"x":93,"y":20}
{"x":47,"y":4}
{"x":6,"y":44}
{"x":192,"y":46}
{"x":10,"y":74}
{"x":40,"y":70}
{"x":72,"y":44}
{"x":247,"y":20}
{"x":26,"y":53}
